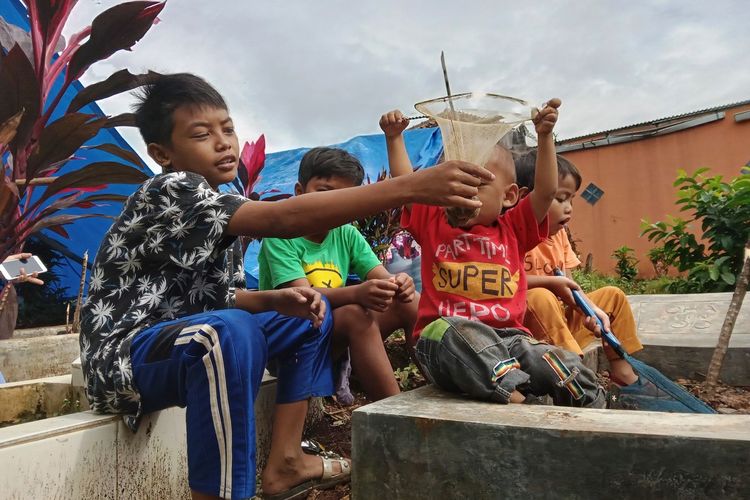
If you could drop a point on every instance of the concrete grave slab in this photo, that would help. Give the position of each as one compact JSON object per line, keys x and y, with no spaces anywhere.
{"x":85,"y":455}
{"x":427,"y":444}
{"x":40,"y":331}
{"x":679,"y":334}
{"x":39,"y":398}
{"x":66,"y":457}
{"x":29,"y":358}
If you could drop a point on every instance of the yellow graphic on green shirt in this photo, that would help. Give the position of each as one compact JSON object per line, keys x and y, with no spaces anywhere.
{"x":475,"y":280}
{"x":323,"y":275}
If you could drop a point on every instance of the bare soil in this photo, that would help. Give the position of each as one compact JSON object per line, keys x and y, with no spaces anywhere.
{"x":725,"y":399}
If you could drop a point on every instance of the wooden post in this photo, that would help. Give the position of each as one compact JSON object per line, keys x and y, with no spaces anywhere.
{"x":8,"y":311}
{"x":589,"y":263}
{"x":714,"y":368}
{"x":36,"y":181}
{"x":79,"y":300}
{"x":68,"y":326}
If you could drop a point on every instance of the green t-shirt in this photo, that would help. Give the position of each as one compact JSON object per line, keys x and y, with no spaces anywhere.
{"x":344,"y":251}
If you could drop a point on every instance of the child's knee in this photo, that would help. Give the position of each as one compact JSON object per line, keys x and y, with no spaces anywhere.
{"x":407,"y":308}
{"x":562,"y":374}
{"x":351,"y":316}
{"x":236,"y":326}
{"x":614,"y":293}
{"x":537,"y":298}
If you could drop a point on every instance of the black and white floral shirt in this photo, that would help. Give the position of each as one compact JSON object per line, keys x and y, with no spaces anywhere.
{"x":166,"y":256}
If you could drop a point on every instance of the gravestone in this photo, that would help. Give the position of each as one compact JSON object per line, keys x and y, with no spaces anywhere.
{"x":426,"y":444}
{"x":680,"y":332}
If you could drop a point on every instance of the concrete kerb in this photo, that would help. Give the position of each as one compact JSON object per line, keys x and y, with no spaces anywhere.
{"x":45,"y":397}
{"x":86,"y":455}
{"x":32,"y":357}
{"x":42,"y":331}
{"x":429,"y":444}
{"x":680,"y":332}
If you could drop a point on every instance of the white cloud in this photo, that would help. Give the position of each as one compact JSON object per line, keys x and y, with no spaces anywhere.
{"x":308,"y":73}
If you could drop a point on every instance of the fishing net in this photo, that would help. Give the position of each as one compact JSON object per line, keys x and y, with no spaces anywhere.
{"x":471,"y":124}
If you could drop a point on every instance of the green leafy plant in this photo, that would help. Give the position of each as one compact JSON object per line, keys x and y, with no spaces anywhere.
{"x":35,"y":75}
{"x":711,"y":256}
{"x":661,"y":259}
{"x":408,"y":377}
{"x":626,"y":266}
{"x":68,"y":406}
{"x":590,"y":281}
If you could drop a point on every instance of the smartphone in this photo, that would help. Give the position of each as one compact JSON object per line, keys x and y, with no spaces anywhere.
{"x":11,"y":269}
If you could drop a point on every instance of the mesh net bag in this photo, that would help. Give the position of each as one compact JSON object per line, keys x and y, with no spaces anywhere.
{"x":471,"y":124}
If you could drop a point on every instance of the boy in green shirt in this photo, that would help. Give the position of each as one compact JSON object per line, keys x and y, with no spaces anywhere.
{"x":364,"y":314}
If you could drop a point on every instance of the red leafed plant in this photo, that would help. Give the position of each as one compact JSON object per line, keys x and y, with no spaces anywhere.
{"x":34,"y":77}
{"x":252,"y":161}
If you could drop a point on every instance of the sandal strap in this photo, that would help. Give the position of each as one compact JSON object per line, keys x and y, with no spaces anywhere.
{"x":328,"y":468}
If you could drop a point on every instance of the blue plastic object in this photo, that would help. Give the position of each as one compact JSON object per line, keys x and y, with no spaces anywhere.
{"x":281,"y":168}
{"x":678,"y":400}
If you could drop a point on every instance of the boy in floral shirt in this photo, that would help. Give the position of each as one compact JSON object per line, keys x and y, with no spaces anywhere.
{"x":169,"y":323}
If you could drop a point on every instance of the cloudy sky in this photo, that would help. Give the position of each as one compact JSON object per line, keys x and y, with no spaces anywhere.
{"x":308,"y":73}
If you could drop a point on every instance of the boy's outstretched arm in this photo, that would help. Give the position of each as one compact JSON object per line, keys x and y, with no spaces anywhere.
{"x":545,"y":178}
{"x":393,"y":125}
{"x":452,"y":183}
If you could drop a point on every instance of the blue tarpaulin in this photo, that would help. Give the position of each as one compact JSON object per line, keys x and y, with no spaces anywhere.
{"x":85,"y":234}
{"x":280,"y":171}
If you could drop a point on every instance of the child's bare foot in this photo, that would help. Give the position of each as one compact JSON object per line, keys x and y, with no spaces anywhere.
{"x":517,"y":397}
{"x":293,"y":471}
{"x":621,"y":372}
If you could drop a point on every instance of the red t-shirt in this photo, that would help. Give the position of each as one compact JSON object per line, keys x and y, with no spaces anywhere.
{"x":476,"y":273}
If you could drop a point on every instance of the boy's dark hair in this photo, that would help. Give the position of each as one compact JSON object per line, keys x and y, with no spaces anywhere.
{"x":157,"y":102}
{"x":328,"y":162}
{"x":526,"y":168}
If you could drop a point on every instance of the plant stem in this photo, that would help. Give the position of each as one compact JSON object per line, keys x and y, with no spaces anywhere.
{"x":714,"y":368}
{"x":79,"y":299}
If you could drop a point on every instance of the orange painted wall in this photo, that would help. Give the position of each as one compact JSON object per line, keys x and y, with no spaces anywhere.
{"x":637,"y":180}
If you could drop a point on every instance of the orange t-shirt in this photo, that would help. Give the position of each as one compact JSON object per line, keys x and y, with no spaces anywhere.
{"x":554,"y":252}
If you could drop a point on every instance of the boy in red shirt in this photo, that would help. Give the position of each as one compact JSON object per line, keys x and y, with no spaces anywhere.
{"x":469,"y":334}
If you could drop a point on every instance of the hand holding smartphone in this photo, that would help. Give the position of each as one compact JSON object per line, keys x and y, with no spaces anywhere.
{"x":23,"y":267}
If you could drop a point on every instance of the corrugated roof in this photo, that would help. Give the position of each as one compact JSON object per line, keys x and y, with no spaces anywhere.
{"x":658,"y":120}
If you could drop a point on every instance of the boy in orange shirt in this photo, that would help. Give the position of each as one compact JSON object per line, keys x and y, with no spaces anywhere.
{"x":547,"y":316}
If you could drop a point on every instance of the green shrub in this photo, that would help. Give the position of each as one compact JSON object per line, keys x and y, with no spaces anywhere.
{"x":408,"y":377}
{"x":593,"y":281}
{"x":710,"y":256}
{"x":626,"y":263}
{"x":660,"y":258}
